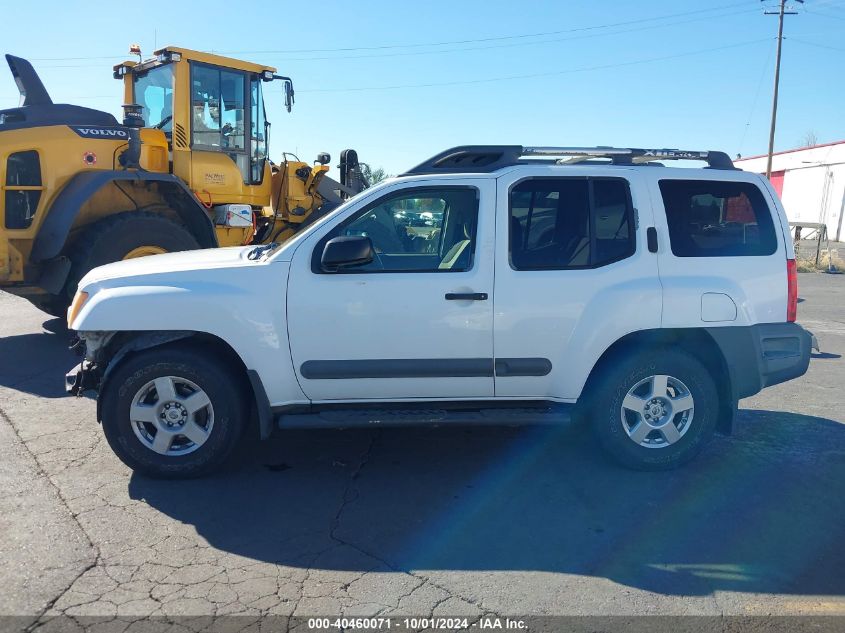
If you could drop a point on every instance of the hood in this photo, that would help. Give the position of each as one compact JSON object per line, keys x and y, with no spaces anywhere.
{"x":185,"y":261}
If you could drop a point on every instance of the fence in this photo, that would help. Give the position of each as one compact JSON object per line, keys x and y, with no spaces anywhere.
{"x":813,"y":250}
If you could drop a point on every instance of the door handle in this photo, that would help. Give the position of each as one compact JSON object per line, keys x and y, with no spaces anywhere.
{"x":466,"y":296}
{"x":651,"y":239}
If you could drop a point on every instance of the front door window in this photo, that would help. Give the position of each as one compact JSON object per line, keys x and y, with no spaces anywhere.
{"x":422,"y":230}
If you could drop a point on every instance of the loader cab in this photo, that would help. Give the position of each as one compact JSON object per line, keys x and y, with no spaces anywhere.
{"x":211,"y":109}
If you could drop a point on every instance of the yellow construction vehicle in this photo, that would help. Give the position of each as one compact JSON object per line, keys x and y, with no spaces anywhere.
{"x":187,"y":168}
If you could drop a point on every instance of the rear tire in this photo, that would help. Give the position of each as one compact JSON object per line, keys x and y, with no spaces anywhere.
{"x":653,"y":410}
{"x":172,"y":412}
{"x":113,"y":238}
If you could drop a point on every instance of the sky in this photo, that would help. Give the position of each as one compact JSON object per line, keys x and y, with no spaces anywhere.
{"x":402,"y":81}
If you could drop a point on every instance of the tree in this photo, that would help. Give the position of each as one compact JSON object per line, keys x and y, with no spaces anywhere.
{"x":809,"y":139}
{"x":374,"y":175}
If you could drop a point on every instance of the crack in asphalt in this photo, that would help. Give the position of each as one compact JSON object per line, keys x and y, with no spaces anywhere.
{"x":348,"y":498}
{"x":36,"y":623}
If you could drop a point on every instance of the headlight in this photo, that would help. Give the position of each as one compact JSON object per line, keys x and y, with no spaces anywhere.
{"x":79,"y":300}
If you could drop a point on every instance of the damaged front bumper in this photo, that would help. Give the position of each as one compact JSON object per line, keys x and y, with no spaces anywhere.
{"x":84,"y":377}
{"x":87,"y":375}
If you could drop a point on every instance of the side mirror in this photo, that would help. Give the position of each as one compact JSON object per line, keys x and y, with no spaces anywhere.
{"x":268,"y":75}
{"x":345,"y":252}
{"x":288,"y":94}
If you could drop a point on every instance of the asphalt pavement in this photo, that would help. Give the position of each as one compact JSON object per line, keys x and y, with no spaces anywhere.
{"x":444,"y":521}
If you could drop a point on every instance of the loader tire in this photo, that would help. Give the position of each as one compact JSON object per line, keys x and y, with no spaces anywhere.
{"x":122,"y":236}
{"x":54,"y":305}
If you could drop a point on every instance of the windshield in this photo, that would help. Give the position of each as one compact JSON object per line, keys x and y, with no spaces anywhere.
{"x":154,"y":91}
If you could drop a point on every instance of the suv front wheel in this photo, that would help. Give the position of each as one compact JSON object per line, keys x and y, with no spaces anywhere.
{"x":654,"y":410}
{"x":173,"y":412}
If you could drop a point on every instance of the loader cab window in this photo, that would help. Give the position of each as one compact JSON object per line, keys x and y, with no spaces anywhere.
{"x":259,"y":130}
{"x":219,"y":116}
{"x":154,"y":91}
{"x":23,"y":189}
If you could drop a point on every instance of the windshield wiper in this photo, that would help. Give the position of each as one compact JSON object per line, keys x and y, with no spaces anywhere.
{"x":258,"y":251}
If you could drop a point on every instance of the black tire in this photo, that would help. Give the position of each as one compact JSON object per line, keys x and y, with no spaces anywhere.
{"x":225,"y":391}
{"x":623,"y":373}
{"x":112,"y":238}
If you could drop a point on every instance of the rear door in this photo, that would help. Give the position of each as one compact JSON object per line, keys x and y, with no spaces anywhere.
{"x":573,"y":275}
{"x":721,"y":250}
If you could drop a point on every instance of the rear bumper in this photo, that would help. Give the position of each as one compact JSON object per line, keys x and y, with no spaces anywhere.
{"x":763,"y":355}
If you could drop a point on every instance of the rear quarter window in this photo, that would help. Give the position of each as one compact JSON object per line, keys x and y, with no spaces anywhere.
{"x":709,"y":218}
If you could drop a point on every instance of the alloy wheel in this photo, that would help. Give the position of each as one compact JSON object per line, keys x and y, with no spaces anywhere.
{"x":657,"y":411}
{"x":171,"y":416}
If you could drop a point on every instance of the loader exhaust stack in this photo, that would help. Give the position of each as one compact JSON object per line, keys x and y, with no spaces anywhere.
{"x":29,"y":83}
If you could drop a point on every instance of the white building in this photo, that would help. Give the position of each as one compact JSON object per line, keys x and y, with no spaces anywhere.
{"x":811,"y":183}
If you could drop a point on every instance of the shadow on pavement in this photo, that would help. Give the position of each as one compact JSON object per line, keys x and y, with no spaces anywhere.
{"x":36,"y":363}
{"x":761,"y":511}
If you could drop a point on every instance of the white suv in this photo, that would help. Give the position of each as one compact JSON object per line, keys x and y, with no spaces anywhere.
{"x":495,"y":284}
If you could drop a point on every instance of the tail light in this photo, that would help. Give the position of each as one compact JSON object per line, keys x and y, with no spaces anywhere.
{"x":791,"y":290}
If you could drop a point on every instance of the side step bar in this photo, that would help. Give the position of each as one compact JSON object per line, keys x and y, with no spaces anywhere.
{"x":347,"y":418}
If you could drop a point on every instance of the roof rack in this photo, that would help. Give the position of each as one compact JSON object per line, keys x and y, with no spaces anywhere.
{"x":488,"y":158}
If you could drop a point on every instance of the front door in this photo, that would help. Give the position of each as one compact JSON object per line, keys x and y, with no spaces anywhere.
{"x":417,"y":322}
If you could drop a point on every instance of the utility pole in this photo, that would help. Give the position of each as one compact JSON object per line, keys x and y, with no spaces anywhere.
{"x":780,"y":13}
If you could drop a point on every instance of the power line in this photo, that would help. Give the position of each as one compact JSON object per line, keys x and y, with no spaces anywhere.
{"x":830,"y":48}
{"x":532,"y":75}
{"x":513,"y":44}
{"x":487,"y":39}
{"x":460,"y":50}
{"x":825,"y":15}
{"x":781,"y":12}
{"x":430,"y":44}
{"x":535,"y":75}
{"x":756,"y":97}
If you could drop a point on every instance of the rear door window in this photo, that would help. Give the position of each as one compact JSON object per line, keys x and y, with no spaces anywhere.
{"x":710,"y":218}
{"x":565,"y":223}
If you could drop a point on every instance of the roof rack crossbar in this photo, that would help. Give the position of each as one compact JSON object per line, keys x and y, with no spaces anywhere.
{"x":488,"y":158}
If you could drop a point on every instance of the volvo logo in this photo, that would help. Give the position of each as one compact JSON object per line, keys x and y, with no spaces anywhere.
{"x":101,"y":132}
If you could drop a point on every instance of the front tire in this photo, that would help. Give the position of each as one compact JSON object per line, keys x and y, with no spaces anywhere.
{"x":173,"y":412}
{"x":654,"y":410}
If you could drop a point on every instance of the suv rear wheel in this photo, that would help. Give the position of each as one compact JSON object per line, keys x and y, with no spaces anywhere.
{"x":654,"y":410}
{"x":173,"y":412}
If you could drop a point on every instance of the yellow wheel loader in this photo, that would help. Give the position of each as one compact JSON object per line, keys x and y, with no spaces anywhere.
{"x":186,"y":168}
